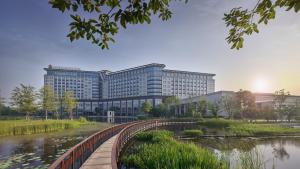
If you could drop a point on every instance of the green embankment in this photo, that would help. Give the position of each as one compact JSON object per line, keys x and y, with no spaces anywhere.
{"x":25,"y":127}
{"x":192,"y":133}
{"x":244,"y":128}
{"x":160,"y":151}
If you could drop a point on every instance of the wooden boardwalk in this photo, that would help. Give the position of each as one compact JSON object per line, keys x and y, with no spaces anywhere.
{"x":101,"y":158}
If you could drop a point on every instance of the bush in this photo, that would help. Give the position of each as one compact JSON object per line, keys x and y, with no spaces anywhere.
{"x":193,"y":133}
{"x":82,"y":119}
{"x":142,"y":117}
{"x":153,"y":136}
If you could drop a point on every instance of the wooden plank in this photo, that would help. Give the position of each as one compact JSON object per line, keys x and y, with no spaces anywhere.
{"x":101,"y":158}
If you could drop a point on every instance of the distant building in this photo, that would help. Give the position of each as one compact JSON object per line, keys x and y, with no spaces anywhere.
{"x":262,"y":100}
{"x":124,"y":91}
{"x":214,"y":97}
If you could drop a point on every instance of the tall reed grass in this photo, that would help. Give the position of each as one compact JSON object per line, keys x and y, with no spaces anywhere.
{"x":25,"y":127}
{"x":161,"y":151}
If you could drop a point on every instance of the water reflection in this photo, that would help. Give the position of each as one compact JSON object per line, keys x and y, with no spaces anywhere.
{"x":274,"y":153}
{"x":38,"y":151}
{"x":279,"y":151}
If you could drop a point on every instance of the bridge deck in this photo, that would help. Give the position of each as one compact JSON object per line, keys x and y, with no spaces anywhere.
{"x":101,"y":158}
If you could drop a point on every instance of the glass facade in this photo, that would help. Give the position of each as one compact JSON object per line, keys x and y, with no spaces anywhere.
{"x":125,"y":91}
{"x":83,"y":84}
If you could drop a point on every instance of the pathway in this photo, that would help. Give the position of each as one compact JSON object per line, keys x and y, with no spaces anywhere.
{"x":101,"y":158}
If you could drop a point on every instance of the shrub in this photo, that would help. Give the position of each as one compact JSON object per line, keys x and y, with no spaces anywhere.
{"x":153,"y":136}
{"x":82,"y":119}
{"x":192,"y":133}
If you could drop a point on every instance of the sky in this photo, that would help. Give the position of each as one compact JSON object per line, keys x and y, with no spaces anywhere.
{"x":33,"y":35}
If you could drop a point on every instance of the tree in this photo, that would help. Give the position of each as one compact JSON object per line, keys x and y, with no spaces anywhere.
{"x":109,"y":16}
{"x":146,"y":107}
{"x":191,"y":108}
{"x":162,"y":108}
{"x":24,"y":99}
{"x":172,"y":102}
{"x":279,"y":101}
{"x":48,"y":100}
{"x":69,"y":103}
{"x":292,"y":110}
{"x":268,"y":113}
{"x":202,"y":106}
{"x":214,"y":108}
{"x":230,"y":105}
{"x":244,"y":21}
{"x":2,"y":102}
{"x":246,"y":101}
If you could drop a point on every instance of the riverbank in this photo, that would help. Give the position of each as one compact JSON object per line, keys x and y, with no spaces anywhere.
{"x":40,"y":150}
{"x":27,"y":127}
{"x":244,"y":128}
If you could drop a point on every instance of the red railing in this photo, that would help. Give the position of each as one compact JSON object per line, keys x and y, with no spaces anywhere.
{"x":131,"y":130}
{"x":78,"y":154}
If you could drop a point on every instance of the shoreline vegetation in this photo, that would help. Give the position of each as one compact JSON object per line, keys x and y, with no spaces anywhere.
{"x":159,"y":150}
{"x":28,"y":127}
{"x":244,"y":128}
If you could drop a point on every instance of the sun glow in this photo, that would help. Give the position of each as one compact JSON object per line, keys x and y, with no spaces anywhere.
{"x":260,"y":85}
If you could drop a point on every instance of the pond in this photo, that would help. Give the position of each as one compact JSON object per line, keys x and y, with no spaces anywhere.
{"x":270,"y":153}
{"x":264,"y":152}
{"x":40,"y":150}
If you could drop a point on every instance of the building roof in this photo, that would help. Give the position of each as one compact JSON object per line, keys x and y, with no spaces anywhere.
{"x":107,"y":72}
{"x":69,"y":69}
{"x":139,"y":67}
{"x":188,"y":72}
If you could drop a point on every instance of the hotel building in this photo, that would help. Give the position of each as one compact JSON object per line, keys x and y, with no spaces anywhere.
{"x":125,"y":91}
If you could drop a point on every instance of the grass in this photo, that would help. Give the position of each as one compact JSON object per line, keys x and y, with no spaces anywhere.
{"x":250,"y":160}
{"x":25,"y":127}
{"x":250,"y":129}
{"x":160,"y":151}
{"x":244,"y":128}
{"x":219,"y":123}
{"x":192,"y":133}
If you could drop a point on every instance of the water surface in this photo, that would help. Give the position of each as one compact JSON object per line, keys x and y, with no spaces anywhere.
{"x":40,"y":150}
{"x":274,"y":153}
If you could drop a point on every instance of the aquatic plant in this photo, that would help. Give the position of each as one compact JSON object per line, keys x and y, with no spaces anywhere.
{"x":193,"y":133}
{"x":161,"y":151}
{"x":248,"y":160}
{"x":245,"y":128}
{"x":24,"y":127}
{"x":251,"y":129}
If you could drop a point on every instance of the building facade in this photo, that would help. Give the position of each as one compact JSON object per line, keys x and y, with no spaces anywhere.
{"x":125,"y":91}
{"x":83,"y":84}
{"x":262,"y":101}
